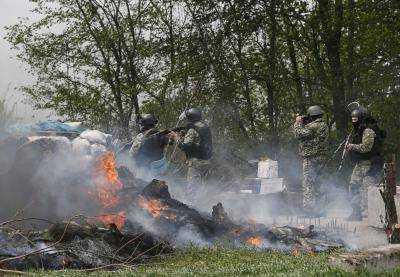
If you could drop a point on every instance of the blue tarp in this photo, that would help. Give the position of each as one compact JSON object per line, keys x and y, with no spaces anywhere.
{"x":56,"y":126}
{"x":44,"y":126}
{"x":19,"y":129}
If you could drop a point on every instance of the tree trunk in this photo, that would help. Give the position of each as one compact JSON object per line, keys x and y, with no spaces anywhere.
{"x":271,"y":58}
{"x":296,"y":75}
{"x":332,"y":33}
{"x":351,"y":74}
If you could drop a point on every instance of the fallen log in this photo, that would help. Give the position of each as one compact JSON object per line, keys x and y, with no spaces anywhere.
{"x":170,"y":215}
{"x":374,"y":259}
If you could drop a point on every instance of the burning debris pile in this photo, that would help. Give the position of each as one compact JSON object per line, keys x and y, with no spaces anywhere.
{"x":134,"y":221}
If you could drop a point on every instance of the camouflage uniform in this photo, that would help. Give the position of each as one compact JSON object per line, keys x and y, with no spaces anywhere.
{"x":361,"y":178}
{"x":197,"y":146}
{"x":147,"y":147}
{"x":313,"y":139}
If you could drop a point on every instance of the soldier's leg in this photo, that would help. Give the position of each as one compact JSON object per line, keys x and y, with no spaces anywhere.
{"x":317,"y":175}
{"x":355,"y":189}
{"x":368,"y":181}
{"x":194,"y":178}
{"x":307,"y":185}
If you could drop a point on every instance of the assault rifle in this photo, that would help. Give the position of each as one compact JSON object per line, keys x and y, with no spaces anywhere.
{"x":167,"y":131}
{"x":128,"y":145}
{"x":344,"y":153}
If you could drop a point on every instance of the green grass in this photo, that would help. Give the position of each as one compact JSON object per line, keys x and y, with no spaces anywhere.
{"x":227,"y":262}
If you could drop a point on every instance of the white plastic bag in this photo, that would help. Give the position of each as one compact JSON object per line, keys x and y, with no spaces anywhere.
{"x":95,"y":136}
{"x":81,"y":146}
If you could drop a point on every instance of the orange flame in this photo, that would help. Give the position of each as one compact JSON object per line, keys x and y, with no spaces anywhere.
{"x":106,"y":181}
{"x":156,"y":208}
{"x":117,"y":219}
{"x":255,"y":241}
{"x":107,"y":185}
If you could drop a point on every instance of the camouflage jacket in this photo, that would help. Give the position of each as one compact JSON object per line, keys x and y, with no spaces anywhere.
{"x":313,"y":138}
{"x":197,"y":142}
{"x":368,"y":139}
{"x":148,"y":147}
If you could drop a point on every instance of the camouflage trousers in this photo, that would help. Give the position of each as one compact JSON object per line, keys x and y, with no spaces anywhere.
{"x":360,"y":180}
{"x":197,"y":173}
{"x":312,"y":172}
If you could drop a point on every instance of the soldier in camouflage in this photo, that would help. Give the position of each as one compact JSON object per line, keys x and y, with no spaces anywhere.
{"x":313,"y":140}
{"x":148,"y":147}
{"x":364,"y":149}
{"x":197,"y":145}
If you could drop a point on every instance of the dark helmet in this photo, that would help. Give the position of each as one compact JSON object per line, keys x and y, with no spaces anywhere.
{"x":357,"y":113}
{"x":193,"y":115}
{"x":148,"y":120}
{"x":361,"y":113}
{"x":315,"y":111}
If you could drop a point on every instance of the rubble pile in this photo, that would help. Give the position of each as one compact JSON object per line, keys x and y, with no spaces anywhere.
{"x":122,"y":220}
{"x":79,"y":243}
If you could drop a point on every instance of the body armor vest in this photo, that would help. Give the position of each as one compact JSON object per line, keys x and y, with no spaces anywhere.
{"x":376,"y":148}
{"x":204,"y":150}
{"x":152,"y":148}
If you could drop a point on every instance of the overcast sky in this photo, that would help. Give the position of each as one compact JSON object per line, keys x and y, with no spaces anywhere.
{"x":12,"y":72}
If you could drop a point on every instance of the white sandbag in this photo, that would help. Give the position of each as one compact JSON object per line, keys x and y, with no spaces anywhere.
{"x":62,"y":144}
{"x":97,"y":149}
{"x":267,"y":169}
{"x":81,"y":146}
{"x":95,"y":136}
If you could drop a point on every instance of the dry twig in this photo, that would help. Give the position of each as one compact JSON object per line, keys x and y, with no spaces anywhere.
{"x":43,"y":249}
{"x":25,"y":219}
{"x":16,"y":272}
{"x":126,"y":244}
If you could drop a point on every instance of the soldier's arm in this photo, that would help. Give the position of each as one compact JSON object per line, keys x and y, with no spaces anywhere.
{"x":301,"y":131}
{"x":190,"y":140}
{"x":367,"y":142}
{"x":137,"y":143}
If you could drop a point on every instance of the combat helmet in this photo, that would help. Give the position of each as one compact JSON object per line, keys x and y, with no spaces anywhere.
{"x":148,"y":120}
{"x":315,"y":111}
{"x":193,"y":115}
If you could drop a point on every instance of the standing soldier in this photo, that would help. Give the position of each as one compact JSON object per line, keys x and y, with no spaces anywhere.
{"x":197,"y":145}
{"x":148,"y":148}
{"x":365,"y":153}
{"x":312,"y":133}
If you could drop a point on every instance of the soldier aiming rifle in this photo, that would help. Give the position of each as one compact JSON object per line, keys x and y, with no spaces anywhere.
{"x":312,"y":133}
{"x":198,"y":147}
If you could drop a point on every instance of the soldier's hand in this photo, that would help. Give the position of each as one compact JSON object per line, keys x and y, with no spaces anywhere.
{"x":349,"y":147}
{"x":173,"y":136}
{"x":299,"y":119}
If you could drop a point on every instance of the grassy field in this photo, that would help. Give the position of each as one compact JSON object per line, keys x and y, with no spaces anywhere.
{"x":217,"y":262}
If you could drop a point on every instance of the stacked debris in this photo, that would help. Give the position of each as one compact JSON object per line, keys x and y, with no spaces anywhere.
{"x":155,"y":198}
{"x":70,"y":245}
{"x":127,"y":220}
{"x":81,"y":243}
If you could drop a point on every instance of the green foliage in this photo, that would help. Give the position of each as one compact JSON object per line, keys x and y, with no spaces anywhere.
{"x":253,"y":65}
{"x":230,"y":262}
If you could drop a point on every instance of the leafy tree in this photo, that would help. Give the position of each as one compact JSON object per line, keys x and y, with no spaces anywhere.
{"x":251,"y":64}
